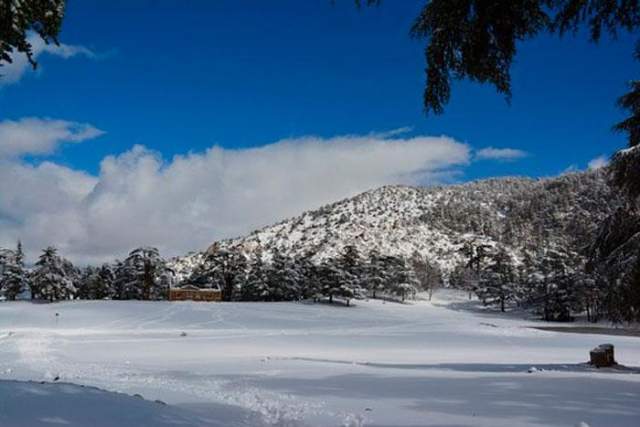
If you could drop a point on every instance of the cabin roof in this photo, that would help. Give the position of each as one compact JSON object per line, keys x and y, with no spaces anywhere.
{"x":195,"y":288}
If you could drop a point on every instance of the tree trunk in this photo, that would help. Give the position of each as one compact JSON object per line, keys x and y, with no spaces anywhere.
{"x":331,"y":299}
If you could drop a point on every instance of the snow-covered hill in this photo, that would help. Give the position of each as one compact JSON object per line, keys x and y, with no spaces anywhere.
{"x":518,"y":213}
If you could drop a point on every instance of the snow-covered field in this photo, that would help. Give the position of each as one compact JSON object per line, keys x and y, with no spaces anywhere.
{"x":294,"y":364}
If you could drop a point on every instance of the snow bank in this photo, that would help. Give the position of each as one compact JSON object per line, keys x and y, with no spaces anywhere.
{"x":374,"y":364}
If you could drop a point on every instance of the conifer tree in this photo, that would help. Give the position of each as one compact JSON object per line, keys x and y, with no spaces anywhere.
{"x":403,"y":281}
{"x":465,"y":278}
{"x":227,"y":268}
{"x":350,"y":274}
{"x":428,"y":275}
{"x":97,"y":283}
{"x":332,"y":282}
{"x":14,"y":278}
{"x":553,"y":284}
{"x":20,"y":18}
{"x":283,"y":278}
{"x":256,"y":287}
{"x":51,"y":277}
{"x":497,"y":280}
{"x":308,"y":276}
{"x":375,"y":274}
{"x":143,"y":275}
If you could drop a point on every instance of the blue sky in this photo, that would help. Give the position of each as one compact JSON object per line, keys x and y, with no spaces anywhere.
{"x":182,"y":77}
{"x":237,"y":73}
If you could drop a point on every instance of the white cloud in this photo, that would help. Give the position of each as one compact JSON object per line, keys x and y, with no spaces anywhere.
{"x":598,"y":162}
{"x":12,"y":72}
{"x":503,"y":154}
{"x":391,"y":133}
{"x":192,"y":200}
{"x":40,"y":136}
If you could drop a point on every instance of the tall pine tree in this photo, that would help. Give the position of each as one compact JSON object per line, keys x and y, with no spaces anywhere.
{"x":51,"y":278}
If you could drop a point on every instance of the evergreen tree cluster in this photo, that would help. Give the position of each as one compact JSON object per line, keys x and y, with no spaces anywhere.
{"x":143,"y":275}
{"x":551,"y":280}
{"x":253,"y":276}
{"x":614,"y":263}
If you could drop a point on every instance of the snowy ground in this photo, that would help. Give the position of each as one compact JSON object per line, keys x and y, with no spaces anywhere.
{"x":290,"y":364}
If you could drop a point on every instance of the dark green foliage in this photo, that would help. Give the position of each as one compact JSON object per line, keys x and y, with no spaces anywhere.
{"x":375,"y":273}
{"x":498,"y":280}
{"x":352,"y":272}
{"x":96,"y":283}
{"x":614,"y":262}
{"x":631,"y":102}
{"x":625,"y":165}
{"x":474,"y":39}
{"x":18,"y":18}
{"x":13,"y":274}
{"x":331,"y":281}
{"x":615,"y":231}
{"x":225,"y":268}
{"x":143,"y":275}
{"x":283,"y":278}
{"x":477,"y":39}
{"x":556,"y":285}
{"x":256,"y":286}
{"x":389,"y":276}
{"x":630,"y":290}
{"x":463,"y":277}
{"x":475,"y":252}
{"x":53,"y":277}
{"x":599,"y":16}
{"x":307,"y":273}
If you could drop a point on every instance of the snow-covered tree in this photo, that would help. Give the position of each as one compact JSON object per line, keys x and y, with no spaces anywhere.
{"x":256,"y":286}
{"x":223,"y":267}
{"x":475,"y":253}
{"x":428,"y":275}
{"x":553,"y":287}
{"x":402,"y":280}
{"x":308,"y":276}
{"x":332,"y":281}
{"x":52,"y":278}
{"x":614,"y":257}
{"x":351,"y":273}
{"x":497,"y":280}
{"x":20,"y":19}
{"x":14,"y":278}
{"x":143,"y":275}
{"x":97,"y":283}
{"x":465,"y":278}
{"x":283,"y":278}
{"x":375,"y":274}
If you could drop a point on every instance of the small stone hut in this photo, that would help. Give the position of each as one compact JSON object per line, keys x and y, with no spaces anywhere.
{"x":194,"y":293}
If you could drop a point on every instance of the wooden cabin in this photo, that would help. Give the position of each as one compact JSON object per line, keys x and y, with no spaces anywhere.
{"x":194,"y":293}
